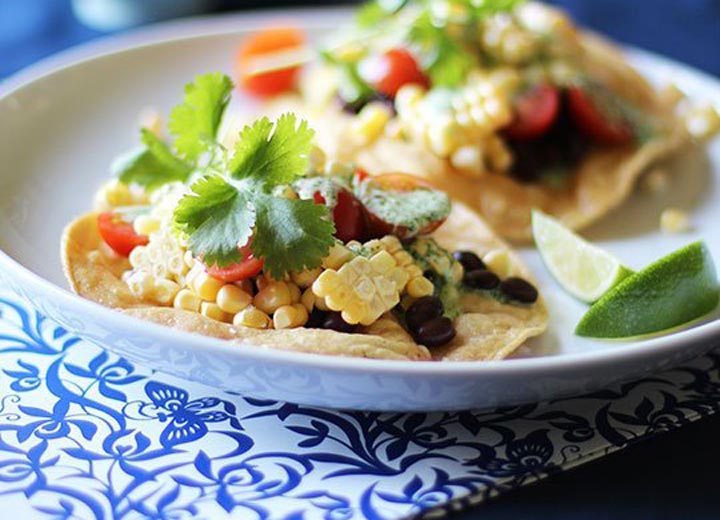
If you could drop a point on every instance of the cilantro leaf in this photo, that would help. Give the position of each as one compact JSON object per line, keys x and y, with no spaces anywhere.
{"x":273,"y":155}
{"x":223,"y":212}
{"x":291,"y":234}
{"x":217,"y":218}
{"x":195,"y":122}
{"x":152,"y":165}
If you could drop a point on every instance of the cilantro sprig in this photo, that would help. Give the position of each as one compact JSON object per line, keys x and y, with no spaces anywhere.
{"x":224,"y":211}
{"x":194,"y":124}
{"x":231,"y":199}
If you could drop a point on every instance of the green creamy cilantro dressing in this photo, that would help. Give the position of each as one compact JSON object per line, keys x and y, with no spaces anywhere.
{"x":437,"y":260}
{"x":413,"y":209}
{"x":327,"y":187}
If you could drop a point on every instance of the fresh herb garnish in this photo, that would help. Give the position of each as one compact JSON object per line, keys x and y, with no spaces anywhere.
{"x":194,"y":124}
{"x":224,"y":212}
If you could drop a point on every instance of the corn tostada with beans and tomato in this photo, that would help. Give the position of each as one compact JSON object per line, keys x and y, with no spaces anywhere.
{"x":506,"y":105}
{"x":269,"y":244}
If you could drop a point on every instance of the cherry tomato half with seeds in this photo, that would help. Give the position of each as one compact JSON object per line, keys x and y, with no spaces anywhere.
{"x":389,"y":71}
{"x":376,"y":227}
{"x":535,"y":112}
{"x":248,"y":267}
{"x":347,"y":215}
{"x":263,"y":45}
{"x":589,"y":117}
{"x":119,"y":234}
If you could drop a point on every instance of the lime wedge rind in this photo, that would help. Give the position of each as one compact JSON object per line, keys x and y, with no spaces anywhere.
{"x":679,"y":288}
{"x":582,"y":269}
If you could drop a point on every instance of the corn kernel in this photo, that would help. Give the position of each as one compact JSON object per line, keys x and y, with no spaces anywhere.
{"x":273,"y":296}
{"x":165,"y":291}
{"x":196,"y":270}
{"x":370,"y":122}
{"x":391,"y":243}
{"x":382,"y":261}
{"x":321,"y":304}
{"x":673,"y":220}
{"x":188,"y":258}
{"x":308,"y":299}
{"x":206,"y":286}
{"x":337,"y":256}
{"x":290,"y":316}
{"x":655,"y":181}
{"x":413,"y":271}
{"x":403,"y":258}
{"x":213,"y":310}
{"x":295,"y":292}
{"x":498,"y":261}
{"x":316,"y":160}
{"x":112,"y":194}
{"x":306,"y":278}
{"x":419,"y":287}
{"x":232,"y":299}
{"x":187,"y":300}
{"x":145,"y":224}
{"x":253,"y":318}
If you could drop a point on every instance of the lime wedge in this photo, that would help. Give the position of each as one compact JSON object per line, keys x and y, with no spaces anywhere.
{"x":582,"y":269}
{"x":674,"y":290}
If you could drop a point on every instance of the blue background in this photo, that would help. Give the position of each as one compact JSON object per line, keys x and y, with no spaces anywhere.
{"x":668,"y":477}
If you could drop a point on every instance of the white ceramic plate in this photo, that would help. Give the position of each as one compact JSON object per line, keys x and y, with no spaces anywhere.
{"x":63,"y":121}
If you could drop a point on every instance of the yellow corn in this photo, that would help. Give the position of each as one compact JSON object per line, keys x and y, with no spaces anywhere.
{"x":253,"y":318}
{"x":305,"y":278}
{"x":320,"y":303}
{"x":188,"y":258}
{"x":382,"y":261}
{"x":419,"y":287}
{"x":337,"y":256}
{"x":290,"y":316}
{"x":165,"y":291}
{"x":145,"y":224}
{"x":391,"y":243}
{"x":113,"y":194}
{"x":232,"y":299}
{"x":370,"y":122}
{"x":273,"y":296}
{"x":295,"y":292}
{"x":206,"y":286}
{"x":187,"y":300}
{"x":316,"y":160}
{"x":673,"y":220}
{"x":498,"y":261}
{"x":308,"y":299}
{"x":213,"y":310}
{"x":141,"y":284}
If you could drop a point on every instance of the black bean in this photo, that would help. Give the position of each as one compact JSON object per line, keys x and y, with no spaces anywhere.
{"x":481,"y":279}
{"x":423,"y":310}
{"x":436,"y":332}
{"x":316,"y":319}
{"x":334,"y":321}
{"x":519,"y":290}
{"x":469,"y":260}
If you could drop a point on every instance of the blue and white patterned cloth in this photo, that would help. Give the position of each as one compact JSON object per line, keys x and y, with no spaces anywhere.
{"x":85,"y":434}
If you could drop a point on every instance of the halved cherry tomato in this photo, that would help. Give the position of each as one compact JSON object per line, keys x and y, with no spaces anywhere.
{"x":264,"y":44}
{"x":376,"y":227}
{"x":535,"y":112}
{"x":119,"y":234}
{"x":347,"y":215}
{"x":248,"y":267}
{"x":360,"y":175}
{"x":593,"y":122}
{"x":387,"y":72}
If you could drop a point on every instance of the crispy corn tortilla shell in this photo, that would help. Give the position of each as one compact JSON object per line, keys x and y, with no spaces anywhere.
{"x":488,"y":329}
{"x":603,"y":180}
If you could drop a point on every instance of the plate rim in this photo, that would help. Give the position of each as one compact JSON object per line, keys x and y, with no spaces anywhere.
{"x":226,"y":24}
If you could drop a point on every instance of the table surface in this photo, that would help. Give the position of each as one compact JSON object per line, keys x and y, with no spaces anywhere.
{"x":666,"y":477}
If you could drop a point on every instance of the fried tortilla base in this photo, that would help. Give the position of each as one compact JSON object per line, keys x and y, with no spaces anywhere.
{"x":486,"y":330}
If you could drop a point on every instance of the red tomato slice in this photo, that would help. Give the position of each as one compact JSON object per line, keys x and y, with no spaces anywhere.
{"x":119,"y":234}
{"x":594,"y":123}
{"x":535,"y":112}
{"x":347,"y":215}
{"x":378,"y":228}
{"x":387,"y":72}
{"x":265,"y":43}
{"x":248,"y":267}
